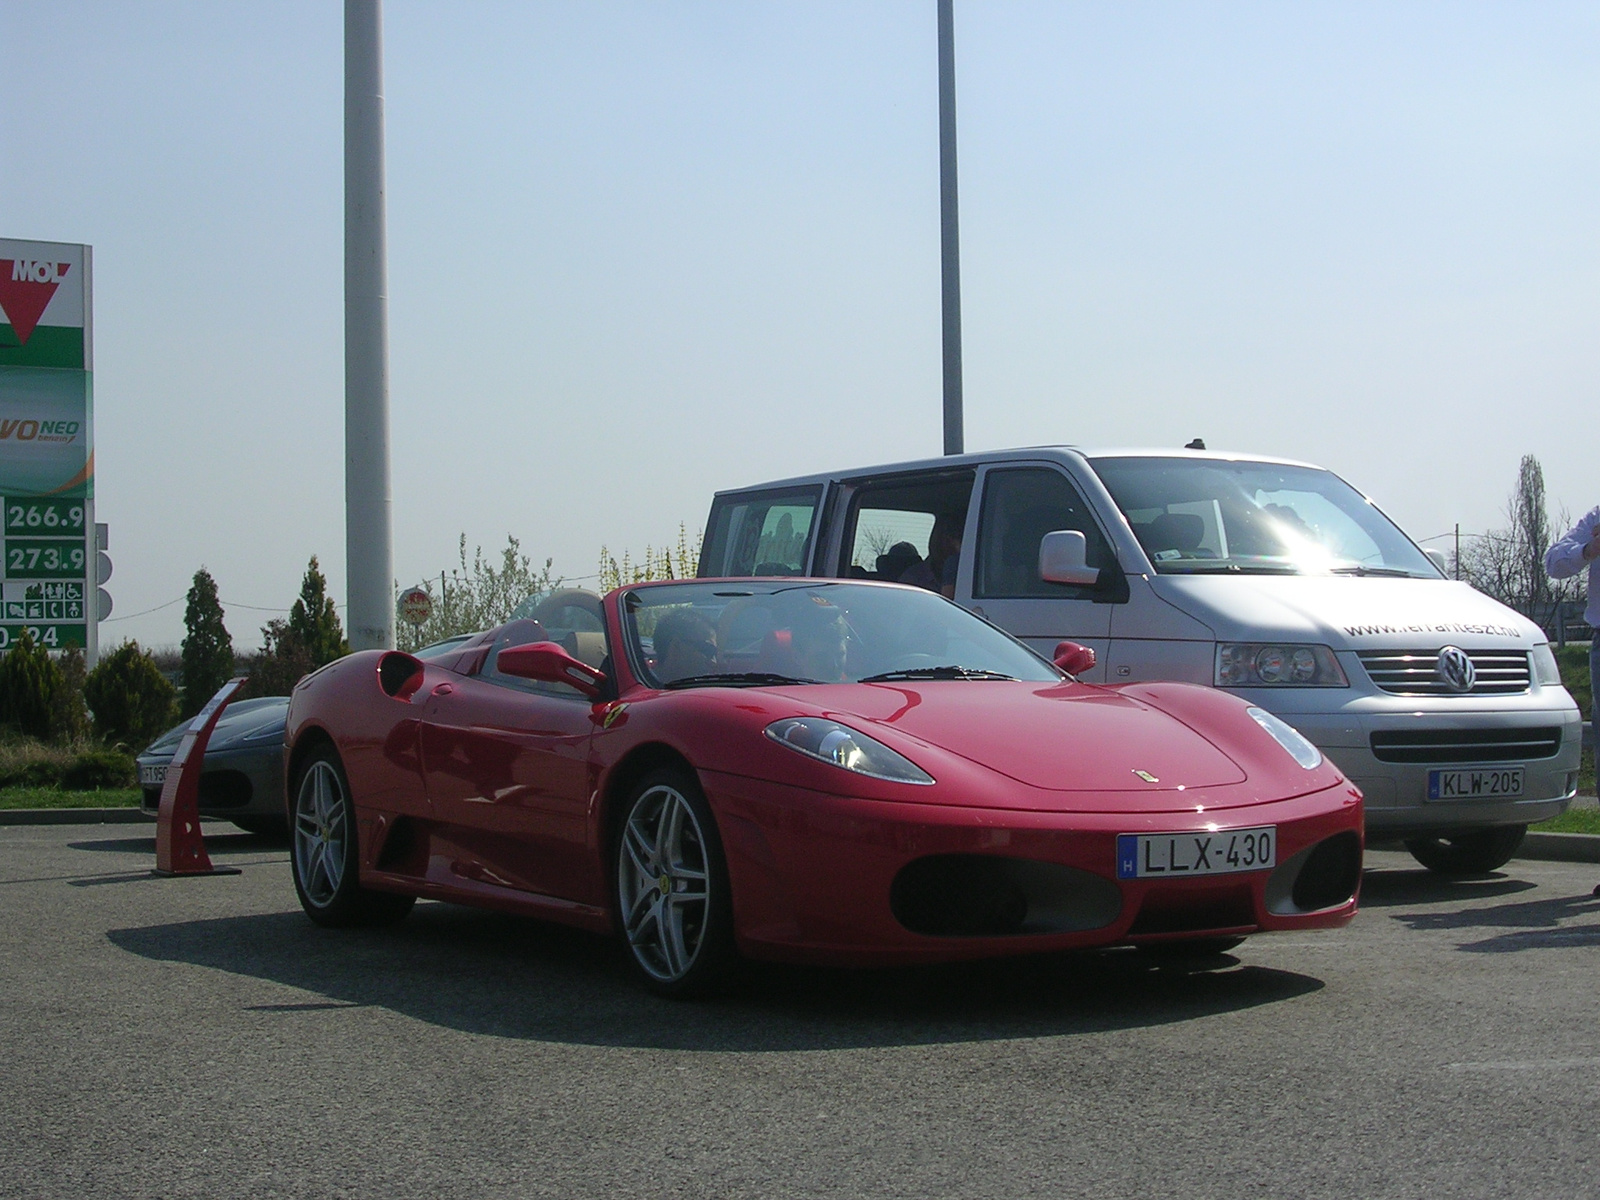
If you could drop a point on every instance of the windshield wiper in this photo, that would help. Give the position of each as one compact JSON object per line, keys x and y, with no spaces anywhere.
{"x":950,"y":672}
{"x":1391,"y":572}
{"x":1229,"y":569}
{"x":736,"y":679}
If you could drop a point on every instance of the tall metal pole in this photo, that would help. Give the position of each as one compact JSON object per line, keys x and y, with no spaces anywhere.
{"x":369,"y":552}
{"x":950,"y":246}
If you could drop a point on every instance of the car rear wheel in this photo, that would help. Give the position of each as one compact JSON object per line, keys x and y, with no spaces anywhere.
{"x":673,"y":901}
{"x":324,"y":854}
{"x":1473,"y":853}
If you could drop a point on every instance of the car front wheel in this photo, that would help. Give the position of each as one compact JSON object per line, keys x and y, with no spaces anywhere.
{"x":1473,"y":853}
{"x":673,"y":901}
{"x":324,"y":855}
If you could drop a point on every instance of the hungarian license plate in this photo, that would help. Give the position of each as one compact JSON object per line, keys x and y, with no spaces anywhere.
{"x":152,"y":776}
{"x":1169,"y":855}
{"x":1479,"y":783}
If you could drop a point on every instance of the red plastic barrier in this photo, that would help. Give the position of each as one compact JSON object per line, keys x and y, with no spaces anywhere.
{"x":180,"y":850}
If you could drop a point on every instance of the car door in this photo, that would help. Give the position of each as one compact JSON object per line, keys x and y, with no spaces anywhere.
{"x":507,"y":766}
{"x":999,"y":579}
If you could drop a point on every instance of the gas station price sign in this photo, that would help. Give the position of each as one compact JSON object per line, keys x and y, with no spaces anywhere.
{"x":44,"y":571}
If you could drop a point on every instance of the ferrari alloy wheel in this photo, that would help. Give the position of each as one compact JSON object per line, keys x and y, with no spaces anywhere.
{"x":324,"y":856}
{"x":1475,"y":853}
{"x":672,"y":892}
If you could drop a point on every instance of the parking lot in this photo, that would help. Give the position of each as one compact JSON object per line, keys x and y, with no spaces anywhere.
{"x":199,"y":1037}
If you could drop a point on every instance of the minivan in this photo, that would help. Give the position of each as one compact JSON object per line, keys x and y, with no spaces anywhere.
{"x":1274,"y":579}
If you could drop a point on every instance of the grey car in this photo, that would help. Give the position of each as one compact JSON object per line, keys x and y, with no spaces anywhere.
{"x":243,"y":777}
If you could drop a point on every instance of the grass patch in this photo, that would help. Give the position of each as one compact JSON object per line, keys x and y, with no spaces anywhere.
{"x":49,"y":797}
{"x":1574,"y":820}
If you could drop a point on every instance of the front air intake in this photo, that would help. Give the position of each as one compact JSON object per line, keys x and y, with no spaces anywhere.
{"x":982,"y":895}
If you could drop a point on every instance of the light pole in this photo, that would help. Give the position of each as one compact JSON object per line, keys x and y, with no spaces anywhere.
{"x":368,"y":544}
{"x":950,"y":245}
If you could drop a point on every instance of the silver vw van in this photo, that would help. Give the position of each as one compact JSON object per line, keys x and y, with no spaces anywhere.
{"x":1272,"y":578}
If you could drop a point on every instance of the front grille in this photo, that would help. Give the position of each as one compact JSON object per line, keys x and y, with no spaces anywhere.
{"x":1466,"y":745}
{"x":1415,"y":673}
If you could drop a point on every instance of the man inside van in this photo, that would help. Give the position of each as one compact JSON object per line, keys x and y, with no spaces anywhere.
{"x":937,"y":572}
{"x":1577,"y":550}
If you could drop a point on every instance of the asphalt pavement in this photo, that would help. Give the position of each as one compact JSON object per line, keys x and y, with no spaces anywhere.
{"x":199,"y":1037}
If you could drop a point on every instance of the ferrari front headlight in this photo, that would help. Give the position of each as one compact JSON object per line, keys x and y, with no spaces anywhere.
{"x":1287,"y":736}
{"x":840,"y":746}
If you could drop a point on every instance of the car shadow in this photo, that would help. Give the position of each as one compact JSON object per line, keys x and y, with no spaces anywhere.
{"x":1389,"y":887}
{"x":506,"y":976}
{"x":1529,"y":924}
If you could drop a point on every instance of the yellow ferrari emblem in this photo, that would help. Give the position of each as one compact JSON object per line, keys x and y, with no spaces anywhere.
{"x":1146,"y":776}
{"x":612,"y":714}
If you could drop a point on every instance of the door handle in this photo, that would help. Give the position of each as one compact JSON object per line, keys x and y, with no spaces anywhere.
{"x":444,"y":689}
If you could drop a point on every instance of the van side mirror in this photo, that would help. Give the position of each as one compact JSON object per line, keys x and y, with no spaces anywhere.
{"x":549,"y":663}
{"x":1073,"y":658}
{"x":1063,"y":558}
{"x":1437,"y":558}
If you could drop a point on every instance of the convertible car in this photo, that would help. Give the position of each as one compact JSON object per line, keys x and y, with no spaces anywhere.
{"x":804,"y":770}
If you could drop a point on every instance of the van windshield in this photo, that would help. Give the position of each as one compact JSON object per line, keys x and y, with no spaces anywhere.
{"x":1213,"y":516}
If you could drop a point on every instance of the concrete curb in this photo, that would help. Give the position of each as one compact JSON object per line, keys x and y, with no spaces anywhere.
{"x":72,"y":816}
{"x":1561,"y":847}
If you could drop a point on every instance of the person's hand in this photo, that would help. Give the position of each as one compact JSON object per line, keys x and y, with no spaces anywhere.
{"x":1591,"y":549}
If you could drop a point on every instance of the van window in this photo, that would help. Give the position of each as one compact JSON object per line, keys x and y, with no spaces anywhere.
{"x":1020,"y":506}
{"x":1200,"y":516}
{"x":908,"y":530}
{"x":761,"y":533}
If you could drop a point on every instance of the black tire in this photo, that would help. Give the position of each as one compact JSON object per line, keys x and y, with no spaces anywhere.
{"x":275,"y":827}
{"x":1474,"y":853}
{"x":674,"y":905}
{"x":323,"y":855}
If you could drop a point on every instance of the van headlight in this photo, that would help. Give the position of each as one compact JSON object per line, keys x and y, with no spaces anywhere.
{"x":1545,"y":668}
{"x":840,"y":746}
{"x":1287,"y":736}
{"x":1270,"y":664}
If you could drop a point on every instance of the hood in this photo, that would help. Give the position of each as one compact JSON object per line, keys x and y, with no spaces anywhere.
{"x":237,"y":720}
{"x":1347,"y":612}
{"x":1066,"y":737}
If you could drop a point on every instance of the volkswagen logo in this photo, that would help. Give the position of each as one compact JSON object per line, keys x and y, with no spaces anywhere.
{"x":1455,"y":669}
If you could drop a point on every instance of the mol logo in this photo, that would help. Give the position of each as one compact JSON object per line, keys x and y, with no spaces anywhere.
{"x":27,"y":285}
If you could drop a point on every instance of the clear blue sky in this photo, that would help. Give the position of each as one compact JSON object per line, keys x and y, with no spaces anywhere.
{"x":642,"y":251}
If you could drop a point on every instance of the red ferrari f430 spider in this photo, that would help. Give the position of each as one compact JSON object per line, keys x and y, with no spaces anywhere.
{"x":804,"y":770}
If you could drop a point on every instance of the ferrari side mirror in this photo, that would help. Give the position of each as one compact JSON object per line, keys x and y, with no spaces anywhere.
{"x":1073,"y":658}
{"x":549,"y":663}
{"x":1063,"y":558}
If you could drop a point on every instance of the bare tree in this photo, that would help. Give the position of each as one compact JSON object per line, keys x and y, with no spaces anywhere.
{"x":1508,"y":563}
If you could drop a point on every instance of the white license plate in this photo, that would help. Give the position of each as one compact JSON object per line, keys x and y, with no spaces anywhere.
{"x":1478,"y":783}
{"x":152,"y":776}
{"x":1178,"y":855}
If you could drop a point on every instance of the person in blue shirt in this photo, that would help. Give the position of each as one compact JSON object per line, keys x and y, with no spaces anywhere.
{"x":1579,"y":549}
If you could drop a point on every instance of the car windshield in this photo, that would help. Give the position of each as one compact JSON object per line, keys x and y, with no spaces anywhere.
{"x":749,"y":633}
{"x":1213,"y":516}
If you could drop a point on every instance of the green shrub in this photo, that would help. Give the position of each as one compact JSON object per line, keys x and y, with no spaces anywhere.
{"x":69,"y":720}
{"x":28,"y":762}
{"x":1573,"y":659}
{"x":30,"y":688}
{"x":95,"y":769}
{"x":131,"y":700}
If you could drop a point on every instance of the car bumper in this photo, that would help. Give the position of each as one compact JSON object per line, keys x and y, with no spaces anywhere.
{"x":1396,"y":794}
{"x":235,"y":783}
{"x":823,"y":878}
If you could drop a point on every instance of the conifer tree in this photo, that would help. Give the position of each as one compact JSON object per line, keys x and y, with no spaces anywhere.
{"x":314,"y":620}
{"x":207,"y":647}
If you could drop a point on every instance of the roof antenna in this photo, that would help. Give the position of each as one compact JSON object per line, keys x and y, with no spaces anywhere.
{"x":1197,"y":444}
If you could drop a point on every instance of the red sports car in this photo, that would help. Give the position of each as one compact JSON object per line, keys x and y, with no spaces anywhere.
{"x":805,"y":770}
